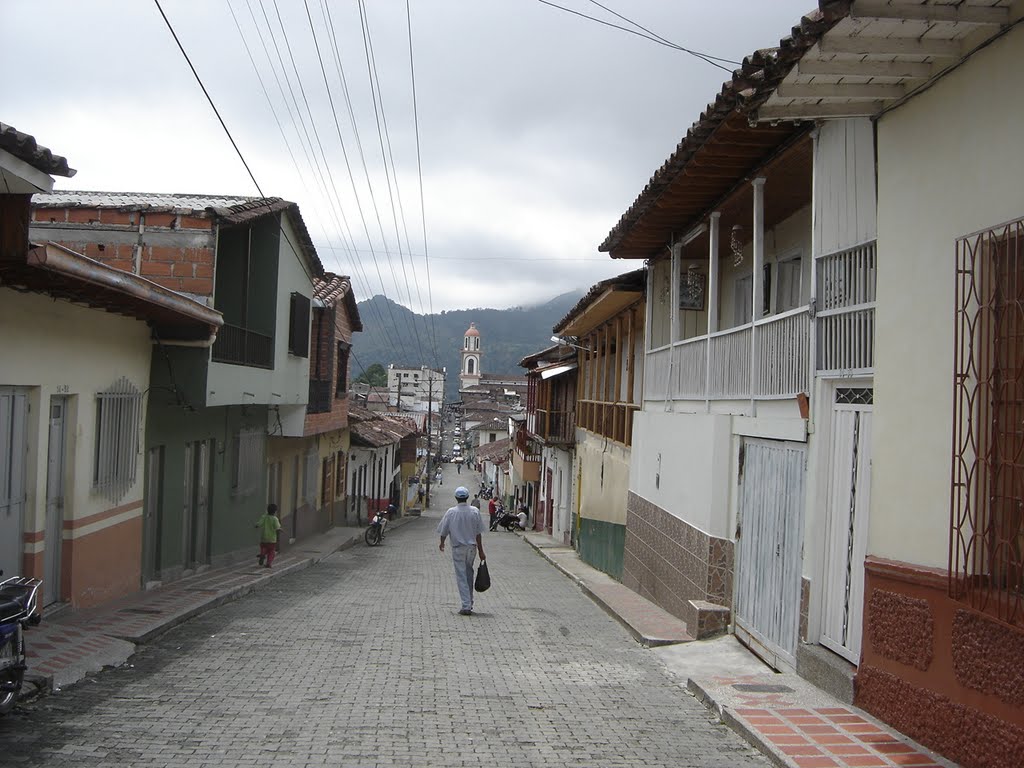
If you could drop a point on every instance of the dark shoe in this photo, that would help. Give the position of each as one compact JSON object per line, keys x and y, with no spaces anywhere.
{"x":465,"y":612}
{"x":260,"y":558}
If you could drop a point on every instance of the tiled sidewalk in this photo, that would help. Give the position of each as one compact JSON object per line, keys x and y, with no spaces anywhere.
{"x":788,"y":719}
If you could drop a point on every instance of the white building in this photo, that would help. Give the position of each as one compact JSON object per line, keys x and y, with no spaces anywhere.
{"x":416,"y":389}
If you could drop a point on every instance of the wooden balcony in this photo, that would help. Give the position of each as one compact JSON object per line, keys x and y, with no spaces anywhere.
{"x":554,"y":427}
{"x":611,"y":420}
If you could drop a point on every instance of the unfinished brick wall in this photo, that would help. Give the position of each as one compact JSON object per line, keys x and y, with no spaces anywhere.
{"x":173,"y":250}
{"x":329,"y":328}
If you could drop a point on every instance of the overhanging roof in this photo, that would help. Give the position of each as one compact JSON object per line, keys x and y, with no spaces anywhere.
{"x":56,"y":271}
{"x":881,"y":53}
{"x":24,"y":147}
{"x":604,"y":300}
{"x":721,"y":148}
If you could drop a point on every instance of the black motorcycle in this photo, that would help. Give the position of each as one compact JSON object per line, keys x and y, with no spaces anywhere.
{"x":504,"y":518}
{"x":19,"y":608}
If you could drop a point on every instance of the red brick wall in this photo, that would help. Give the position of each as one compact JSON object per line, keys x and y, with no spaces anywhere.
{"x":180,"y":268}
{"x":329,"y":330}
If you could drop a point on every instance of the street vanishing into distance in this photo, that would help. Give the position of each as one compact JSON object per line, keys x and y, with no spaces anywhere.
{"x":363,"y":660}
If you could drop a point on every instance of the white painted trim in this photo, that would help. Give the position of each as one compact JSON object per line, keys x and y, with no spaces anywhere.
{"x":43,"y":182}
{"x":793,"y":430}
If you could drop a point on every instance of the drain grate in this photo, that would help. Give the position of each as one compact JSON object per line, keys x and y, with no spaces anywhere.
{"x":761,"y":688}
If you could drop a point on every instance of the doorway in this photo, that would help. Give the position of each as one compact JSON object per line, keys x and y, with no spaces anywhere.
{"x":55,"y":483}
{"x":196,"y":522}
{"x":13,"y":449}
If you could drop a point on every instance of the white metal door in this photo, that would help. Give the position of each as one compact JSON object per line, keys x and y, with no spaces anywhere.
{"x":54,"y":501}
{"x":847,"y":502}
{"x":13,"y":449}
{"x":769,"y":544}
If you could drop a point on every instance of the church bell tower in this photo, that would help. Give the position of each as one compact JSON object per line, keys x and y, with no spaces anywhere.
{"x":469,"y":374}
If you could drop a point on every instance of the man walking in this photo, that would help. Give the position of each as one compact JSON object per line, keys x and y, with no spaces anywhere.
{"x":464,"y":525}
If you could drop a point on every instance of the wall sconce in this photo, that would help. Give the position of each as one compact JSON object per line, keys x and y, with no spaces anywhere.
{"x":736,"y":244}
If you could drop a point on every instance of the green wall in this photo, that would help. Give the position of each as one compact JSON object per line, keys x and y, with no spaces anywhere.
{"x":602,"y":544}
{"x":231,"y":517}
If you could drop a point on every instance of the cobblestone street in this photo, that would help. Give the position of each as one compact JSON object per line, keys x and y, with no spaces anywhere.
{"x":363,"y":660}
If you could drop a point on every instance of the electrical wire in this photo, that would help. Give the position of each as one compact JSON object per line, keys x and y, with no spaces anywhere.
{"x":712,"y":60}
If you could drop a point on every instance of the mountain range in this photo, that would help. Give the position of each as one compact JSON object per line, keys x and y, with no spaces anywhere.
{"x":393,"y":334}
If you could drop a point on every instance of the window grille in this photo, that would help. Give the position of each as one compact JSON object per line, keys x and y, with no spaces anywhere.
{"x":855,"y":396}
{"x":986,"y":553}
{"x":248,"y":461}
{"x":118,"y":418}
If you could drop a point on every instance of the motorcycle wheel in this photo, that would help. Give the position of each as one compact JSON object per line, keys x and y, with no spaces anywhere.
{"x":372,"y":535}
{"x":8,"y":698}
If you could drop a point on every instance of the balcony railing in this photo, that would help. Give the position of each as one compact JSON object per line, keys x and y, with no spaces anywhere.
{"x":554,"y":426}
{"x":846,"y":314}
{"x":240,"y":346}
{"x":528,"y":450}
{"x":320,"y":396}
{"x":766,"y":359}
{"x":611,"y":420}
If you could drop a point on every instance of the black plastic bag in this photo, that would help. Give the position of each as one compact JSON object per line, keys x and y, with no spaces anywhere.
{"x":483,"y":578}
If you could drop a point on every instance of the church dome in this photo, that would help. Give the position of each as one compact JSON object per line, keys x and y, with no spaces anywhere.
{"x":472,"y":331}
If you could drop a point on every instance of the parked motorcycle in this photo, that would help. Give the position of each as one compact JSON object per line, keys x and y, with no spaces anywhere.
{"x":19,"y":608}
{"x":375,"y":533}
{"x":505,"y":519}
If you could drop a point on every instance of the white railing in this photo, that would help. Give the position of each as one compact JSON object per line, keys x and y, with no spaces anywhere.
{"x":846,"y":310}
{"x":656,"y":365}
{"x":691,"y":367}
{"x":729,"y":374}
{"x":783,"y":351}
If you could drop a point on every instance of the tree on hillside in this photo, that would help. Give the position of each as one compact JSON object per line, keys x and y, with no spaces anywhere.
{"x":376,"y":376}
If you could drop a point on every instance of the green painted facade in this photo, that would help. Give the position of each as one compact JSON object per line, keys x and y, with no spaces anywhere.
{"x":602,"y":544}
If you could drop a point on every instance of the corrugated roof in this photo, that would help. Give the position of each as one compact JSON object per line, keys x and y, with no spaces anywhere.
{"x":24,"y":147}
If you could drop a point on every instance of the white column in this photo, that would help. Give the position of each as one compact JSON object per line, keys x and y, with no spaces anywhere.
{"x":712,"y":288}
{"x":758,"y":281}
{"x":713,"y":226}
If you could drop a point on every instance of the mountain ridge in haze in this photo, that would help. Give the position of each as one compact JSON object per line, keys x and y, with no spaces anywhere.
{"x":507,"y":335}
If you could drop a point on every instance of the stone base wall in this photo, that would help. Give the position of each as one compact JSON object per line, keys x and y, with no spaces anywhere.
{"x":680,"y":568}
{"x":946,"y":675}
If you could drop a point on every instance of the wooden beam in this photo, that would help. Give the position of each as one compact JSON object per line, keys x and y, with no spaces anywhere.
{"x":962,"y":14}
{"x":862,"y":45}
{"x":869,"y":91}
{"x":813,"y":111}
{"x":845,"y":67}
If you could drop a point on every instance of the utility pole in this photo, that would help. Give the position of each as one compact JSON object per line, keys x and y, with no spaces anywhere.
{"x":430,"y":402}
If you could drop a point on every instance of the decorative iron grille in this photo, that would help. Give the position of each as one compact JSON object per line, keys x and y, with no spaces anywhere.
{"x":118,"y":419}
{"x":986,"y":552}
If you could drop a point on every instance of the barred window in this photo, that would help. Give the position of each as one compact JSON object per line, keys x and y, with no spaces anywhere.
{"x":118,"y":419}
{"x":987,"y":536}
{"x":248,"y":461}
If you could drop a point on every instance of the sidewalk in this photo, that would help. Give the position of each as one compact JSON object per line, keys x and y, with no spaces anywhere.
{"x":792,"y":722}
{"x":71,"y":645}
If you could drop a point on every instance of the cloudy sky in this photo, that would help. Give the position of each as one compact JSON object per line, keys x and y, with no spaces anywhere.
{"x":537,"y":127}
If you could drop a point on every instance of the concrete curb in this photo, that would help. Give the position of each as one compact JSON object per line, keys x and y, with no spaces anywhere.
{"x":648,"y":641}
{"x":738,"y":724}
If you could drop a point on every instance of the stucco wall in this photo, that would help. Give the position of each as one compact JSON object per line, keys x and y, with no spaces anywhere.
{"x":57,"y":348}
{"x":680,"y":462}
{"x":948,"y":164}
{"x":605,"y":477}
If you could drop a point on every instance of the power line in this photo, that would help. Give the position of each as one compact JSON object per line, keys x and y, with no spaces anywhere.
{"x":419,"y":173}
{"x":653,"y":38}
{"x":208,"y":98}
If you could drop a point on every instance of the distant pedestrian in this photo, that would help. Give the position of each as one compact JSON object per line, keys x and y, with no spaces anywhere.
{"x":437,"y":477}
{"x":459,"y":467}
{"x":270,"y":528}
{"x":465,"y":526}
{"x":475,"y":502}
{"x":492,"y":511}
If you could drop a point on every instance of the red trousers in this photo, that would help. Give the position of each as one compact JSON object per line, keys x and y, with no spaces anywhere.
{"x":268,"y":549}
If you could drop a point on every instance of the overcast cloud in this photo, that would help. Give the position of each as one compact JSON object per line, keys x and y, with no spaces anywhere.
{"x":538,"y":128}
